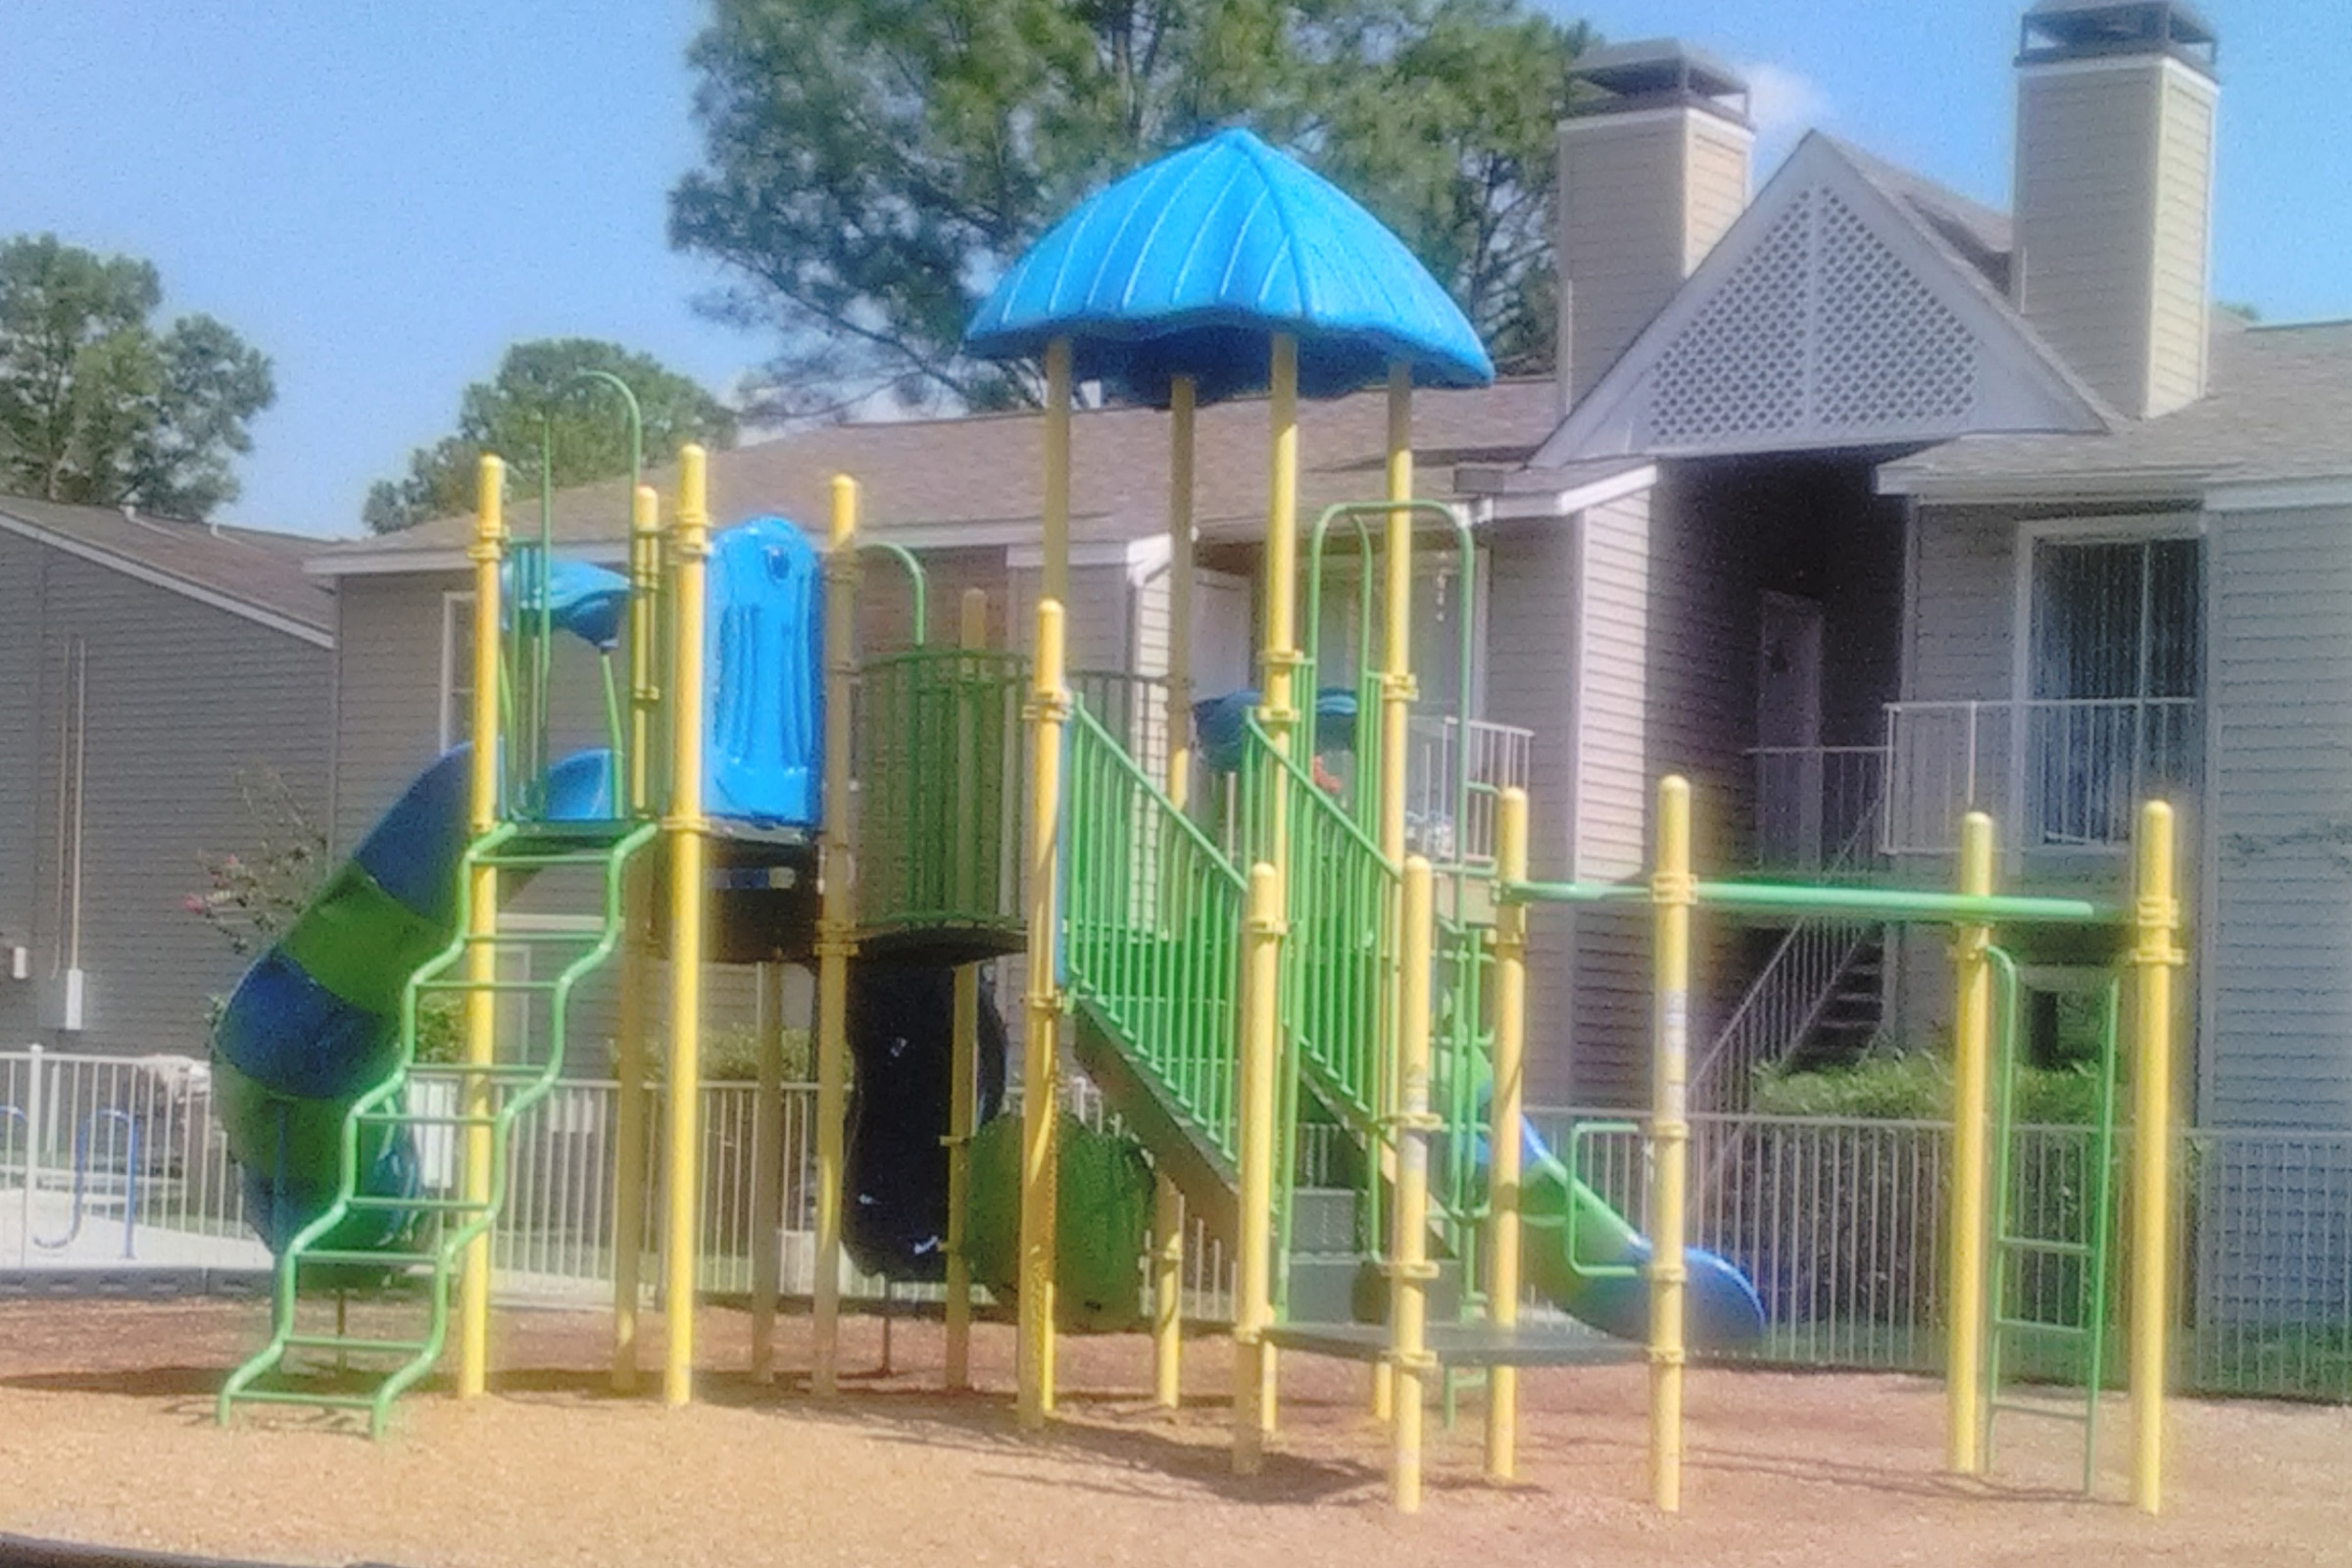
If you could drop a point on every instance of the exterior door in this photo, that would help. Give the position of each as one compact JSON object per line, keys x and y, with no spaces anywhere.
{"x":1789,"y":759}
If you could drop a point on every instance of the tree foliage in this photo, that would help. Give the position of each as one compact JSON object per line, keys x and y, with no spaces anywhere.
{"x":546,"y":387}
{"x":872,"y":166}
{"x":101,"y":406}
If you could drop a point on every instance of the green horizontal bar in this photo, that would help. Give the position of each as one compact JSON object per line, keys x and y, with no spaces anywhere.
{"x":2046,"y":1412}
{"x":1887,"y":904}
{"x":327,"y":1401}
{"x":2047,"y":1247}
{"x":2024,"y":1325}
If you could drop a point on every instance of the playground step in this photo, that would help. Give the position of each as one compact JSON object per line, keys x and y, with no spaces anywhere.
{"x":354,"y":1255}
{"x":318,"y":1399}
{"x":333,"y":1342}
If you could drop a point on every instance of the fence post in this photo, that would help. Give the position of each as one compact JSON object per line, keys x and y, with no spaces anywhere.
{"x":32,"y":1150}
{"x":2155,"y":954}
{"x":1972,"y":1021}
{"x":767,"y":1168}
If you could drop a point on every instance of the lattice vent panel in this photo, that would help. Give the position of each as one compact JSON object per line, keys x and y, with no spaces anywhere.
{"x":1739,"y":366}
{"x":1887,"y":352}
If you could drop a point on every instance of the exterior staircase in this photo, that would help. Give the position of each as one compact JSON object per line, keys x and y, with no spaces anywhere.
{"x":328,"y":1365}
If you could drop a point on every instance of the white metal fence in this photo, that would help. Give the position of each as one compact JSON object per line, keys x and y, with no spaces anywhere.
{"x":1839,"y":1221}
{"x":1497,"y":757}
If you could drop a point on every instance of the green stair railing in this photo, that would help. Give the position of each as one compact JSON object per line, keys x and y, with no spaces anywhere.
{"x":1152,"y":924}
{"x":454,"y":1222}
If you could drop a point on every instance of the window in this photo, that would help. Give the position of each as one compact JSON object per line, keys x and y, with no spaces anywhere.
{"x":456,"y":722}
{"x":2114,"y":652}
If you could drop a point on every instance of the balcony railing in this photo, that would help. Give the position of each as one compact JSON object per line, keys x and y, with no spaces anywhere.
{"x":1818,"y":805}
{"x":1438,"y":824}
{"x":2055,"y":773}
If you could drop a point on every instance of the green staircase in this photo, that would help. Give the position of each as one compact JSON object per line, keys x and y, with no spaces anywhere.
{"x":2053,"y":1211}
{"x":1153,"y":909}
{"x":324,"y":1365}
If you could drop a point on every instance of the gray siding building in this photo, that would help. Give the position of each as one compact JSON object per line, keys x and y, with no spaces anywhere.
{"x":165,"y":692}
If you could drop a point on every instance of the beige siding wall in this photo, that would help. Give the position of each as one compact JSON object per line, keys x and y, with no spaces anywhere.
{"x":2184,"y":243}
{"x":187,"y":708}
{"x":1621,"y":234}
{"x":1961,"y":599}
{"x":2114,"y":180}
{"x":1530,"y":680}
{"x":2281,"y":793}
{"x":1715,"y":161}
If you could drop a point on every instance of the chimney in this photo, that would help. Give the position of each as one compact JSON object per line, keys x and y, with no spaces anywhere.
{"x":1653,"y":168}
{"x":2114,"y":194}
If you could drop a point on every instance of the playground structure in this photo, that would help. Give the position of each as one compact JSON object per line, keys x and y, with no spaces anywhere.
{"x":1228,"y":977}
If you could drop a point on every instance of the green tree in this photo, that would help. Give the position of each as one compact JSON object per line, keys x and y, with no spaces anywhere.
{"x":99,"y":404}
{"x":544,"y":385}
{"x":872,"y":166}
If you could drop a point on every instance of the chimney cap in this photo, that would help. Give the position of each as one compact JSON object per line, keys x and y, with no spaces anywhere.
{"x":2089,"y":30}
{"x":1657,"y":72}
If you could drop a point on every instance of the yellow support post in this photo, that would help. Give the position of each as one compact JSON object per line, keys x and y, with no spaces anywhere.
{"x":645,"y":690}
{"x":1397,"y":692}
{"x":1673,"y":891}
{"x":628,"y":1135}
{"x":836,"y":929}
{"x":767,"y":1167}
{"x":1056,"y":517}
{"x":487,"y":553}
{"x":1253,"y":1296}
{"x":628,"y":1056}
{"x":1041,"y":1050}
{"x":1167,"y":1204}
{"x":2156,"y":953}
{"x":686,"y":826}
{"x":1408,"y":1245}
{"x":964,"y":1049}
{"x":1972,"y":1069}
{"x":1507,"y":1103}
{"x":1280,"y":711}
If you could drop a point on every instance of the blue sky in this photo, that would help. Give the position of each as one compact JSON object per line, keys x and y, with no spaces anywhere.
{"x":383,"y":196}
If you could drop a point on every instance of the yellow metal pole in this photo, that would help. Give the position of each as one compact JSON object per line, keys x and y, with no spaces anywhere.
{"x":1180,"y":590}
{"x":1408,"y":1246}
{"x":1503,"y":1137}
{"x":965,"y":1041}
{"x":836,"y":932}
{"x":1396,"y":695}
{"x":1167,"y":1204}
{"x":644,"y":694}
{"x":690,"y":544}
{"x":1972,"y":1066}
{"x":1253,"y":1296}
{"x":1279,"y":712}
{"x":486,"y":552}
{"x":628,"y":1056}
{"x":1673,"y":891}
{"x":2155,"y":954}
{"x":767,"y":1168}
{"x":628,"y":1135}
{"x":629,"y":1045}
{"x":1056,"y":516}
{"x":1041,"y":1050}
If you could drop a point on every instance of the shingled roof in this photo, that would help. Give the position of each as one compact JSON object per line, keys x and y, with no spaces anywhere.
{"x":244,"y":570}
{"x":976,"y":479}
{"x":2278,"y":407}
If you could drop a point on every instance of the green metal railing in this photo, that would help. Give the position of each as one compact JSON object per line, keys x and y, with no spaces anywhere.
{"x":939,"y":740}
{"x":1152,"y":924}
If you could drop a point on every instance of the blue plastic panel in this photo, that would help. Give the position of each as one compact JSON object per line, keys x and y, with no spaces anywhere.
{"x":765,"y":649}
{"x":1186,"y":265}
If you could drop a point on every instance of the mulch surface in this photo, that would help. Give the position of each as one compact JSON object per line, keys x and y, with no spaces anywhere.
{"x":106,"y":1435}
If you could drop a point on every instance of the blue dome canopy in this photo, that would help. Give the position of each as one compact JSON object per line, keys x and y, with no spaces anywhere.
{"x":1187,"y":266}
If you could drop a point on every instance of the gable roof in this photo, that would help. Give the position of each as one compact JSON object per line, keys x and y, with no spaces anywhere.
{"x":2277,"y":409}
{"x":245,"y":571}
{"x":977,"y":481}
{"x":1851,"y":305}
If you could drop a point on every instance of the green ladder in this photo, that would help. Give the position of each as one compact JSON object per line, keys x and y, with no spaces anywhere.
{"x":439,"y":1228}
{"x":2049,"y":1278}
